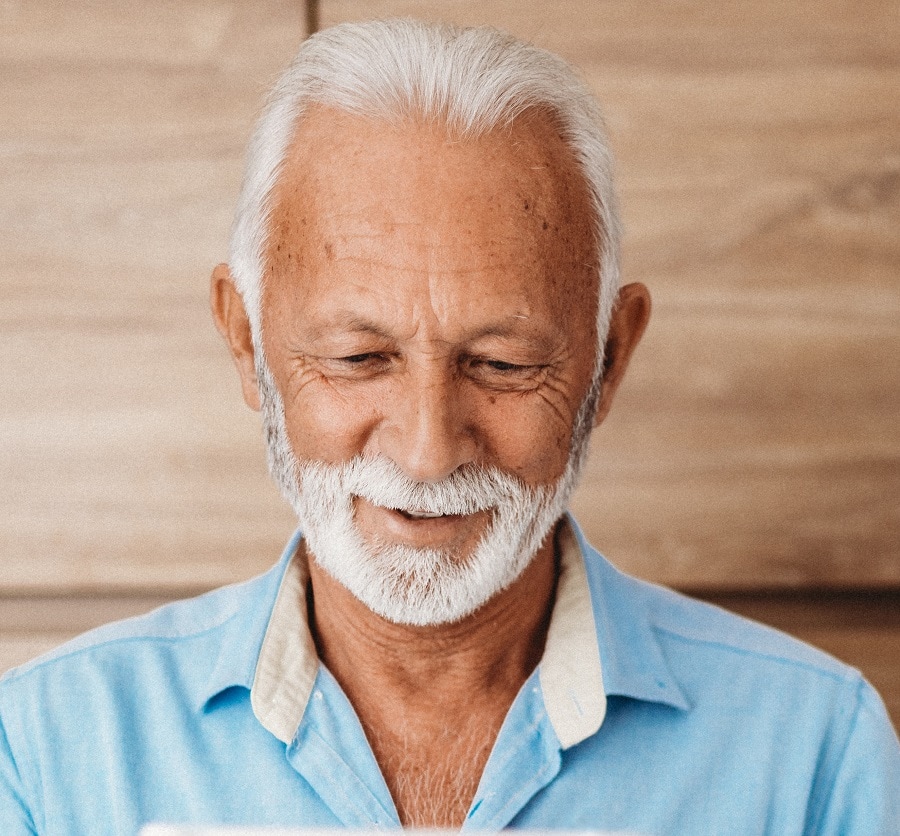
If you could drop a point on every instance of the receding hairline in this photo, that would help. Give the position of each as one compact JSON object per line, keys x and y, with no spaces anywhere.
{"x":480,"y":76}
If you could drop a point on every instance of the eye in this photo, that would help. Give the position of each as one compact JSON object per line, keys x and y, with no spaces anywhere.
{"x":364,"y":365}
{"x":503,"y":374}
{"x":503,"y":366}
{"x":359,"y":359}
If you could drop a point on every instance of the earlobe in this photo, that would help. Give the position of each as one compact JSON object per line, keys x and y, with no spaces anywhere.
{"x":233,"y":324}
{"x":629,"y":321}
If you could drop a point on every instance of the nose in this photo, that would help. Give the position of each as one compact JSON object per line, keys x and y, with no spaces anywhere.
{"x":426,"y":429}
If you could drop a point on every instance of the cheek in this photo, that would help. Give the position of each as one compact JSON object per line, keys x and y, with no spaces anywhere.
{"x":325,"y":425}
{"x":528,"y":436}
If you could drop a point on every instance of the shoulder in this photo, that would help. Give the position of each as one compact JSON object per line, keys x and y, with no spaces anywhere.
{"x":814,"y":715}
{"x":705,"y":631}
{"x":729,"y":672}
{"x":169,"y":626}
{"x":755,"y":715}
{"x":680,"y":619}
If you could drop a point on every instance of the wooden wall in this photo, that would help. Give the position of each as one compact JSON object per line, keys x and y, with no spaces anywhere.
{"x":755,"y":447}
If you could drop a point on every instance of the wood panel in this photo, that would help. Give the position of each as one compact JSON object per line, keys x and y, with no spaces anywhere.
{"x":755,"y":443}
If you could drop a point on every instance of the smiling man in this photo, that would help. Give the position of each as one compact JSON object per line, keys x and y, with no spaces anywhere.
{"x":422,"y":299}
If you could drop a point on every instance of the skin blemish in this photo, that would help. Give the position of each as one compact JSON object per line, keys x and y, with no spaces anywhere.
{"x":329,"y":251}
{"x":545,"y":225}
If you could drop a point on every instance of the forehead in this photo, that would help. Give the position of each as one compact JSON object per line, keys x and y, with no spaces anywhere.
{"x":508,"y":209}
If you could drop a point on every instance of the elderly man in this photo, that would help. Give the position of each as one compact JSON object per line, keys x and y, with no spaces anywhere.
{"x":422,"y":298}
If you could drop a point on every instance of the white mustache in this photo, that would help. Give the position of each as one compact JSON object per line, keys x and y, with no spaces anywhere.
{"x":469,"y":489}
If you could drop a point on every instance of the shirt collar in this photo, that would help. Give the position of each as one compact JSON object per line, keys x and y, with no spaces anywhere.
{"x":288,"y":663}
{"x":571,"y":673}
{"x":632,"y":659}
{"x":600,"y":642}
{"x":253,"y":605}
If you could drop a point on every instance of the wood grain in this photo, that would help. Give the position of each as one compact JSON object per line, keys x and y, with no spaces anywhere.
{"x":755,"y":443}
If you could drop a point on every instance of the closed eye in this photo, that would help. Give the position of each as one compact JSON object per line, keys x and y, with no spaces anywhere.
{"x":356,"y":366}
{"x":502,"y":374}
{"x":503,"y":366}
{"x":490,"y":365}
{"x":356,"y":359}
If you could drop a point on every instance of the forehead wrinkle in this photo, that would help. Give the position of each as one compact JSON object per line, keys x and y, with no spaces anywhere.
{"x":346,"y":322}
{"x":462,"y":229}
{"x":431,"y":244}
{"x":433,"y":271}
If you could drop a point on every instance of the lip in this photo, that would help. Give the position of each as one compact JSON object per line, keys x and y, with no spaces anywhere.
{"x":391,"y":525}
{"x":419,"y":515}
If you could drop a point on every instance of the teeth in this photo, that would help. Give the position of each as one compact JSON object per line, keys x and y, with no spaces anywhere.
{"x":422,"y":515}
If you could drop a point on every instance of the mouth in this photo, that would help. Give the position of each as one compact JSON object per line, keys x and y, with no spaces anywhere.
{"x":416,"y":514}
{"x":419,"y":527}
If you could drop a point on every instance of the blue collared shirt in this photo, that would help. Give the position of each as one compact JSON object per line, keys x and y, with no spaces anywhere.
{"x":649,"y":713}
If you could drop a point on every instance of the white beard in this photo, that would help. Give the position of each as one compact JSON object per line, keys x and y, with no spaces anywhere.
{"x":405,"y":584}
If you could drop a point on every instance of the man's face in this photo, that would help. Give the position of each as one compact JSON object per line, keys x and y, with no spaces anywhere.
{"x":430,"y":304}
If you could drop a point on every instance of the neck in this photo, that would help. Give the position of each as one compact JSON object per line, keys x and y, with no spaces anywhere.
{"x":431,"y":700}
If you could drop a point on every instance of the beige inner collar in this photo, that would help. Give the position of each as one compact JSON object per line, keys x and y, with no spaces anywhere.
{"x":570,"y":672}
{"x":287,"y":666}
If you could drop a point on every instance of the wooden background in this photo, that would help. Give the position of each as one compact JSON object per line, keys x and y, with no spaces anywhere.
{"x":754,"y":454}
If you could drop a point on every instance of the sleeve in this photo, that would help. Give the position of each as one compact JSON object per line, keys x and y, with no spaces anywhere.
{"x":15,"y":819}
{"x":864,"y":795}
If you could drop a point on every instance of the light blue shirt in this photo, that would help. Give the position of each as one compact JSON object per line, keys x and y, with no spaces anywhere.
{"x":649,"y":712}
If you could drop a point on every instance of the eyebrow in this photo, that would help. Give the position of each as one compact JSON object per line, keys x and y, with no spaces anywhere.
{"x":503,"y":329}
{"x":346,"y":322}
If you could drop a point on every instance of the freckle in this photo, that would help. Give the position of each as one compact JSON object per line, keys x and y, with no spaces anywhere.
{"x":526,"y":204}
{"x":329,"y":251}
{"x":546,"y":225}
{"x":492,"y":398}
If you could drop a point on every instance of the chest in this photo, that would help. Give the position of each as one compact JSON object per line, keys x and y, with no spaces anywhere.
{"x":433,"y":774}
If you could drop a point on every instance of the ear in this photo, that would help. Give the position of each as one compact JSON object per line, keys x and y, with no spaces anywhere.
{"x":233,"y":323}
{"x":629,"y":320}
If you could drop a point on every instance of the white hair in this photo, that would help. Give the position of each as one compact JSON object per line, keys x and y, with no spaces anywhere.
{"x":471,"y":80}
